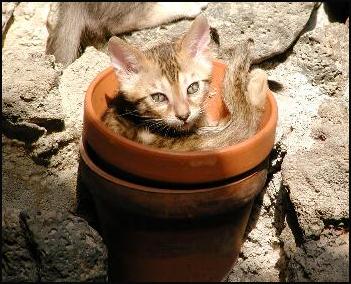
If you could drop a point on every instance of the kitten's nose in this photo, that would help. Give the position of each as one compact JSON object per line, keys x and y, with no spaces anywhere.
{"x":183,"y":116}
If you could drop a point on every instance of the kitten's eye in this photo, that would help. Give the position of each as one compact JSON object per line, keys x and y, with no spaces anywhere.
{"x":193,"y":88}
{"x":159,"y":97}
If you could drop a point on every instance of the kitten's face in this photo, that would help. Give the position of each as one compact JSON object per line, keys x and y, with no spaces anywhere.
{"x":168,"y":84}
{"x":171,"y":96}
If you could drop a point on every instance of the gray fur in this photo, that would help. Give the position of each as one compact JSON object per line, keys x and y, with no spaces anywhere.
{"x":80,"y":24}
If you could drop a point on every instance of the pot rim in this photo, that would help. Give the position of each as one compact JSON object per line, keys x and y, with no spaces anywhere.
{"x":168,"y":154}
{"x":139,"y":187}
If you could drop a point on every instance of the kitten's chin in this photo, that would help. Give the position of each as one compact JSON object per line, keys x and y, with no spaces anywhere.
{"x":186,"y":127}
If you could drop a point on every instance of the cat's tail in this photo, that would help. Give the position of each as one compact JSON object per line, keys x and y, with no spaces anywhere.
{"x":236,"y":79}
{"x":243,"y":120}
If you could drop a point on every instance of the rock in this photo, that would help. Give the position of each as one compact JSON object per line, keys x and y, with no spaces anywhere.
{"x":323,"y":260}
{"x":273,"y":26}
{"x":260,"y":257}
{"x":332,"y":124}
{"x":17,"y":262}
{"x":306,"y":113}
{"x":276,"y":157}
{"x":49,"y":145}
{"x":44,"y":246}
{"x":7,"y":11}
{"x":31,"y":105}
{"x":28,"y":30}
{"x":26,"y":184}
{"x":324,"y":55}
{"x":317,"y":179}
{"x":42,"y":172}
{"x":25,"y":131}
{"x":66,"y":247}
{"x":74,"y":83}
{"x":298,"y":99}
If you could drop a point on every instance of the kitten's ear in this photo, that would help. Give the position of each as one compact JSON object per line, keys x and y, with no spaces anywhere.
{"x":197,"y":39}
{"x":125,"y":58}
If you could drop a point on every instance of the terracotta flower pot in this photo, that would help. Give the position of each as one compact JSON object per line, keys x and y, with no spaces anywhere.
{"x":166,"y":166}
{"x":169,"y":216}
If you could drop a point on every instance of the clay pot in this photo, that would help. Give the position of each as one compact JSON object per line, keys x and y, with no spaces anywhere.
{"x":167,"y":166}
{"x":187,"y":230}
{"x":160,"y":234}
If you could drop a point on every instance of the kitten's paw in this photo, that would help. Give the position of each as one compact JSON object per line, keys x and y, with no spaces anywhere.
{"x":210,"y":122}
{"x":145,"y":137}
{"x":257,"y":87}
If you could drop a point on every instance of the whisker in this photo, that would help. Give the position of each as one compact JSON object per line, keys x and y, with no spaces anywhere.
{"x":126,"y":113}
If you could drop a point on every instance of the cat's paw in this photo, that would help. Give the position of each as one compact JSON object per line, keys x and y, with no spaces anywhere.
{"x":202,"y":5}
{"x":192,"y":9}
{"x":181,"y":9}
{"x":257,"y":88}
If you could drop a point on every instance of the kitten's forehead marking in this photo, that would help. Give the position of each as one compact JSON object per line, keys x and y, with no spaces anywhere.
{"x":165,"y":57}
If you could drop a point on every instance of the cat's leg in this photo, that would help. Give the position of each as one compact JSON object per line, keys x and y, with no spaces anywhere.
{"x":257,"y":88}
{"x":64,"y":40}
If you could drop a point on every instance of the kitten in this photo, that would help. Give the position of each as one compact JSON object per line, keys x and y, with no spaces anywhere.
{"x":164,"y":89}
{"x":79,"y":24}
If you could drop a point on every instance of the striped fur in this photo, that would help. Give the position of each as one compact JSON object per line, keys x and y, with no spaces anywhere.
{"x":243,"y":92}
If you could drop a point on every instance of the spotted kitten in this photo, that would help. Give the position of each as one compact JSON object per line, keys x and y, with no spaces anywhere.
{"x":164,"y":91}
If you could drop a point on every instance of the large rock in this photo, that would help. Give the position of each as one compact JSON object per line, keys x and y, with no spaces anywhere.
{"x":7,"y":11}
{"x":317,"y":179}
{"x":273,"y":26}
{"x":27,"y":184}
{"x":311,"y":141}
{"x":302,"y":94}
{"x":67,"y":248}
{"x":322,"y":260}
{"x":31,"y":104}
{"x":260,"y":257}
{"x":42,"y":115}
{"x":74,"y":83}
{"x":17,"y":260}
{"x":317,"y":176}
{"x":50,"y":246}
{"x":323,"y":53}
{"x":28,"y":30}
